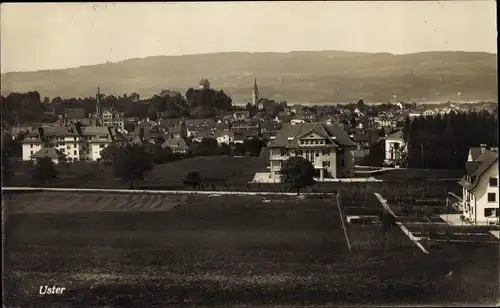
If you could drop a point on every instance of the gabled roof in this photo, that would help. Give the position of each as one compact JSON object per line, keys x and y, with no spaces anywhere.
{"x":222,"y":133}
{"x":294,"y":132}
{"x":48,"y":152}
{"x":475,"y":152}
{"x":174,"y":142}
{"x":396,"y":136}
{"x":485,"y":161}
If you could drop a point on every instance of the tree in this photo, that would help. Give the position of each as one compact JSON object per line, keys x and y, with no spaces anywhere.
{"x":193,"y":179}
{"x":297,"y":173}
{"x":132,"y":163}
{"x":253,"y":146}
{"x":207,"y":147}
{"x":43,"y":171}
{"x":108,"y":154}
{"x":239,"y":149}
{"x":160,"y":155}
{"x":387,"y":223}
{"x":224,"y":149}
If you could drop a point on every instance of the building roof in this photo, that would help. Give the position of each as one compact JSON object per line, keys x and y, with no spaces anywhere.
{"x":222,"y":133}
{"x":475,"y":152}
{"x":48,"y":152}
{"x":485,"y":160}
{"x":174,"y":142}
{"x":289,"y":134}
{"x":396,"y":136}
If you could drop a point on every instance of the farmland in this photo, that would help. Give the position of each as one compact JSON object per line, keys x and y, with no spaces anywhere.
{"x":125,"y":250}
{"x":235,"y":173}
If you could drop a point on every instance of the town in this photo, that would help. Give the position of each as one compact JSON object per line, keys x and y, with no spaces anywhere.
{"x":301,"y":178}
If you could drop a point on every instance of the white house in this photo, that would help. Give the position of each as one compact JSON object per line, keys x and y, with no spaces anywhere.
{"x":326,"y":146}
{"x":480,"y":186}
{"x":226,"y":137}
{"x":75,"y":142}
{"x":394,"y":145}
{"x":297,"y":121}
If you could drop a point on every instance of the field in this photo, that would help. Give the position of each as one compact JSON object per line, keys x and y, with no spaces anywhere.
{"x":123,"y":250}
{"x":235,"y":173}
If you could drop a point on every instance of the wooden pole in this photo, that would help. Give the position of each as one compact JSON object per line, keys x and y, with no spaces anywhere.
{"x":342,"y":220}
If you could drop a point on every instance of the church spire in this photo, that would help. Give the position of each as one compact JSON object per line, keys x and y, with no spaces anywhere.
{"x":98,"y":103}
{"x":255,"y":93}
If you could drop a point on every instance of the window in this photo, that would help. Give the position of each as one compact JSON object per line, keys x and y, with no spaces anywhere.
{"x":31,"y":152}
{"x":88,"y":151}
{"x":74,"y":138}
{"x":68,"y":147}
{"x":326,"y":152}
{"x":490,"y":212}
{"x":31,"y":146}
{"x":74,"y":145}
{"x":326,"y":164}
{"x":74,"y":152}
{"x":492,"y":197}
{"x":493,"y":182}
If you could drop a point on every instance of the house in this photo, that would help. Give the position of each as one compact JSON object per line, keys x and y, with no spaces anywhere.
{"x":178,"y":131}
{"x":202,"y":134}
{"x":269,"y":129}
{"x":55,"y":155}
{"x":297,"y":121}
{"x":241,"y":115}
{"x":222,"y":136}
{"x":223,"y":126}
{"x":112,"y":118}
{"x":248,"y":131}
{"x":394,"y":146}
{"x":429,"y":112}
{"x":76,"y":142}
{"x":480,"y":187}
{"x":178,"y":145}
{"x":283,"y":118}
{"x":327,"y":147}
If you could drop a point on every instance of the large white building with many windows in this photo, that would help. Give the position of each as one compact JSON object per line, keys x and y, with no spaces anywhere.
{"x":480,"y":187}
{"x":75,"y":142}
{"x":326,"y":146}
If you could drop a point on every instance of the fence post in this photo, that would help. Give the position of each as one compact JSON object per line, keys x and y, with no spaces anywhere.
{"x":342,"y":220}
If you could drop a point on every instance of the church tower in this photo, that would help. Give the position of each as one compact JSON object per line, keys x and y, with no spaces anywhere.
{"x":255,"y":93}
{"x":98,"y":103}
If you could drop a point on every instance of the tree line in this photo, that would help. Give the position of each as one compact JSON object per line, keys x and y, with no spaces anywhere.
{"x":18,"y":108}
{"x":443,"y":141}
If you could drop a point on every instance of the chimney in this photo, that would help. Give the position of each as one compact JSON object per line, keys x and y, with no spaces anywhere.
{"x":483,"y":147}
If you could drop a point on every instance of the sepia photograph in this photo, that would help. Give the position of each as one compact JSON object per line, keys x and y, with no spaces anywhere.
{"x":250,"y":154}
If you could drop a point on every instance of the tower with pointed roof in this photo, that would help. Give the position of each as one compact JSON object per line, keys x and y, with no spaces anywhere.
{"x":98,"y":102}
{"x":255,"y":93}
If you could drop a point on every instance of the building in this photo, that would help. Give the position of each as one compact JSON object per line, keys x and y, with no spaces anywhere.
{"x":178,"y":145}
{"x":204,"y":84}
{"x":480,"y":186}
{"x":55,"y":156}
{"x":255,"y":94}
{"x":327,"y":147}
{"x":394,"y":147}
{"x":112,"y":118}
{"x":75,"y":142}
{"x":222,"y":136}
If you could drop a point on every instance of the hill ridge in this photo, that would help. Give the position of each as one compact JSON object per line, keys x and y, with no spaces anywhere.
{"x":295,"y":76}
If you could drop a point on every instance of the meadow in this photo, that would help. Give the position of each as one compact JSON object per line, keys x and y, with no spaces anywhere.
{"x":130,"y":250}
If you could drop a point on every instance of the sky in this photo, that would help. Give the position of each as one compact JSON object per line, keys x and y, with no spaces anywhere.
{"x":53,"y":36}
